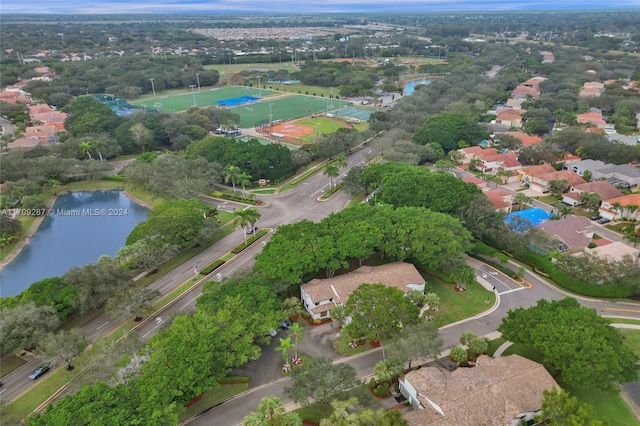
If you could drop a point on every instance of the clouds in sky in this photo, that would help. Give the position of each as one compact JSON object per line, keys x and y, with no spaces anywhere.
{"x":295,"y":6}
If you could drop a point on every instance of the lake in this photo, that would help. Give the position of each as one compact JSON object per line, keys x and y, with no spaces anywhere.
{"x":81,"y":227}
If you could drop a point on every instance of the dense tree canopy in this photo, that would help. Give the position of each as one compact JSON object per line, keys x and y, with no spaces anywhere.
{"x":579,"y":346}
{"x":320,"y":380}
{"x":378,"y":312}
{"x":448,"y":129}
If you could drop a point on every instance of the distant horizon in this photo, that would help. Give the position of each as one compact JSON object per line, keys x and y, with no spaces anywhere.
{"x":119,"y":7}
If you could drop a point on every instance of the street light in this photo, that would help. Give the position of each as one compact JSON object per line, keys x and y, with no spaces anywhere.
{"x":198,"y":80}
{"x":153,"y":87}
{"x":193,"y":92}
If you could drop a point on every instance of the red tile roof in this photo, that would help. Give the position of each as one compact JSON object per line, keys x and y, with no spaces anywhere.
{"x":497,"y":198}
{"x":538,"y":170}
{"x":508,"y":114}
{"x":527,"y":140}
{"x":569,"y":175}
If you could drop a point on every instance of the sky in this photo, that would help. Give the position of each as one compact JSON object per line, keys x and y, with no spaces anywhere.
{"x":296,"y":6}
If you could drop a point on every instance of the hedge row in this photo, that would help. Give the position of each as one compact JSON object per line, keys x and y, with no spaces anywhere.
{"x":569,"y":283}
{"x":237,"y":249}
{"x":212,"y":266}
{"x":114,"y":178}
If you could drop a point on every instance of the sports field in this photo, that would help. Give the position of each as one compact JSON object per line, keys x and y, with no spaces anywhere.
{"x":204,"y":98}
{"x":285,"y":108}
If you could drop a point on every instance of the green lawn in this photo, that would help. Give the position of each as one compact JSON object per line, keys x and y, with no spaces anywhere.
{"x":632,"y":338}
{"x":323,"y":126}
{"x":623,"y":321}
{"x":176,"y":102}
{"x":342,"y":346}
{"x":456,"y":306}
{"x":213,"y":398}
{"x":9,"y":363}
{"x":494,"y":345}
{"x":526,"y":351}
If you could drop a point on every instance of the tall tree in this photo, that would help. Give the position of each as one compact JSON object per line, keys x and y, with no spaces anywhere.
{"x":417,"y":341}
{"x":591,"y":200}
{"x":322,"y":381}
{"x":578,"y":345}
{"x":232,"y":174}
{"x":23,"y":326}
{"x":141,"y":135}
{"x":464,"y":276}
{"x":331,"y":171}
{"x":285,"y":347}
{"x":133,"y":301}
{"x":246,"y":219}
{"x":271,"y":412}
{"x":63,"y":346}
{"x":86,"y":148}
{"x":378,"y":312}
{"x":562,"y":409}
{"x":297,"y":333}
{"x":244,"y":179}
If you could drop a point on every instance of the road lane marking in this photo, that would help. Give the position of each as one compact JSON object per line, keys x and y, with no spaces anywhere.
{"x":511,"y":291}
{"x":188,"y":303}
{"x":102,"y":325}
{"x":622,"y":310}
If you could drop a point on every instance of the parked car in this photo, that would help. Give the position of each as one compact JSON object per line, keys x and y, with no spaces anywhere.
{"x":40,"y":371}
{"x":603,"y":221}
{"x":524,"y":185}
{"x":285,"y":324}
{"x":251,"y":230}
{"x":596,"y":217}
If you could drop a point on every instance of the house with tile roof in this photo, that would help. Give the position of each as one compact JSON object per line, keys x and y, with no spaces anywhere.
{"x":501,"y":199}
{"x":509,"y":117}
{"x":630,"y":207}
{"x":25,"y":143}
{"x":605,"y":189}
{"x":527,"y":174}
{"x":542,"y":182}
{"x":493,"y":393}
{"x":491,"y":163}
{"x":471,"y":152}
{"x":527,"y":140}
{"x":319,"y":296}
{"x":573,"y":233}
{"x":593,"y":118}
{"x":615,"y":251}
{"x":582,"y":166}
{"x":523,"y":92}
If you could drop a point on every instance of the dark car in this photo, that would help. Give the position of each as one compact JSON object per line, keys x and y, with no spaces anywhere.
{"x":603,"y":221}
{"x":251,"y":230}
{"x":596,"y":217}
{"x":40,"y":371}
{"x":285,"y":324}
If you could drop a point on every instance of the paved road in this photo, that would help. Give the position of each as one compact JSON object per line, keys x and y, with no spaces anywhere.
{"x":510,"y":295}
{"x":288,"y":207}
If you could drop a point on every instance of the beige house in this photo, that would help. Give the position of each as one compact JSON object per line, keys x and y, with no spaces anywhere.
{"x":629,"y":207}
{"x":319,"y":296}
{"x":493,"y":393}
{"x":573,"y":233}
{"x":602,"y":187}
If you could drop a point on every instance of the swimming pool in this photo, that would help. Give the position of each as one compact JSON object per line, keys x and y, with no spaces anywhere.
{"x":410,"y":87}
{"x":525,"y":219}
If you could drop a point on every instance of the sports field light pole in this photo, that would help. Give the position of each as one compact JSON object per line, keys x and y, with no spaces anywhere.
{"x":259,"y":88}
{"x":306,"y":104}
{"x":193,"y":92}
{"x":153,"y":87}
{"x":198,"y":80}
{"x":270,"y":115}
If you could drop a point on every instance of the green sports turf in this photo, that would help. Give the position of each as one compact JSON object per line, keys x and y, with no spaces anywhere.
{"x":287,"y":108}
{"x":204,"y":98}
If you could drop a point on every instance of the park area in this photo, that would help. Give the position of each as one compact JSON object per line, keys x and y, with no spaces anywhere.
{"x":203,"y":98}
{"x":285,"y":108}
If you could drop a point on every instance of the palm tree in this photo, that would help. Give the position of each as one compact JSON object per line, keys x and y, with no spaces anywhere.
{"x":341,"y":161}
{"x":467,"y":337}
{"x":458,"y":354}
{"x":617,"y":207}
{"x":332,"y":171}
{"x":86,"y":148}
{"x":97,"y":145}
{"x":456,"y":156}
{"x":232,"y":174}
{"x":246,"y":218}
{"x":285,"y":346}
{"x":387,"y":370}
{"x":563,"y":210}
{"x":298,"y":333}
{"x":244,"y":179}
{"x":521,"y":199}
{"x":53,"y":183}
{"x":478,"y":345}
{"x":591,"y":200}
{"x":292,"y":307}
{"x":631,"y":209}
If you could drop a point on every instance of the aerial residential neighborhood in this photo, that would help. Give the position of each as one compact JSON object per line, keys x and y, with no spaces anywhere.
{"x":347,"y":216}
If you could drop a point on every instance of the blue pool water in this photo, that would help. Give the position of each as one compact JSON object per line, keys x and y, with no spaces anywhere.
{"x":528,"y":217}
{"x":410,"y":87}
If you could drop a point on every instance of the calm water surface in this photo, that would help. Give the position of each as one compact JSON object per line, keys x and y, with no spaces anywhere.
{"x":82,"y":227}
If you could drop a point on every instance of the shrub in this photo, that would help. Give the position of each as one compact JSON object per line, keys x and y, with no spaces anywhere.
{"x":237,"y":249}
{"x":592,"y":245}
{"x":113,"y":178}
{"x":372,"y":383}
{"x":212,"y":266}
{"x":382,"y":390}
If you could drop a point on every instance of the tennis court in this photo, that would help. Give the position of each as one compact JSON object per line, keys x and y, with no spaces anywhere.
{"x":204,"y":98}
{"x":285,"y":108}
{"x":360,"y":114}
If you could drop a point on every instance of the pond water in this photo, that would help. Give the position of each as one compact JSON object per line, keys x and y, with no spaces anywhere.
{"x":410,"y":87}
{"x":82,"y":227}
